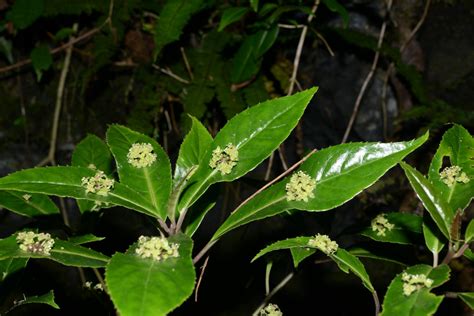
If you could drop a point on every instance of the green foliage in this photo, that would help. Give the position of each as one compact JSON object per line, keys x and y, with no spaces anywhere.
{"x":335,"y":6}
{"x":407,"y":229}
{"x":47,"y":299}
{"x":41,"y":59}
{"x":468,"y":298}
{"x":10,"y":266}
{"x":27,"y":204}
{"x":25,"y":12}
{"x":231,"y":15}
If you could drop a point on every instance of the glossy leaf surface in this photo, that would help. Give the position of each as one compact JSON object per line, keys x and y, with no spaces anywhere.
{"x":420,"y":302}
{"x":152,"y":182}
{"x":27,"y":204}
{"x":468,"y":298}
{"x":407,"y":229}
{"x":144,"y":287}
{"x":10,"y":266}
{"x":64,"y":252}
{"x":192,"y":150}
{"x":231,"y":15}
{"x":256,"y":133}
{"x":353,"y":166}
{"x":66,"y":182}
{"x":434,"y":240}
{"x":439,"y":210}
{"x":47,"y":299}
{"x":458,"y":145}
{"x":92,"y":152}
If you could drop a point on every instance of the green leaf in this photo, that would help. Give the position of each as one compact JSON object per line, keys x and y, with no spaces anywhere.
{"x":419,"y":303}
{"x":468,"y":298}
{"x":92,"y":152}
{"x":41,"y":60}
{"x":256,"y":133}
{"x":85,"y":239}
{"x":469,"y":234}
{"x":195,"y":98}
{"x":230,"y":16}
{"x":6,"y":49}
{"x":25,"y":12}
{"x":353,"y":166}
{"x":299,"y":254}
{"x":247,"y":60}
{"x":10,"y":266}
{"x":196,"y":215}
{"x":433,"y":238}
{"x":153,"y":182}
{"x":254,"y":5}
{"x":469,"y":254}
{"x":66,"y":182}
{"x":364,"y":253}
{"x":407,"y":229}
{"x":144,"y":287}
{"x":345,"y":260}
{"x":335,"y":6}
{"x":192,"y":150}
{"x":458,"y":145}
{"x":27,"y":204}
{"x":47,"y":299}
{"x":439,"y":210}
{"x":174,"y":16}
{"x":63,"y":252}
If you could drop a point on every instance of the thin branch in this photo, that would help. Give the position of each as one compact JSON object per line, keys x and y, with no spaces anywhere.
{"x":299,"y":48}
{"x":203,"y":251}
{"x":273,"y":292}
{"x":269,"y":167}
{"x":171,"y":74}
{"x":376,"y":303}
{"x":186,"y":63}
{"x":99,"y":277}
{"x":358,"y":101}
{"x":326,"y":44}
{"x":290,"y":26}
{"x":203,"y":268}
{"x":50,"y":158}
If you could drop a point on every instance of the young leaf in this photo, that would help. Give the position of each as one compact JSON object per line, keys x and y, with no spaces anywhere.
{"x":458,"y":145}
{"x":254,"y":5}
{"x":247,"y":60}
{"x":152,"y":181}
{"x":433,"y":238}
{"x":468,"y":298}
{"x":255,"y":133}
{"x":63,"y":252}
{"x":419,"y":303}
{"x":439,"y":210}
{"x":297,"y":242}
{"x":47,"y":299}
{"x":299,"y":254}
{"x":92,"y":152}
{"x":174,"y":16}
{"x":41,"y":60}
{"x":469,"y":254}
{"x":406,"y":229}
{"x":192,"y":150}
{"x":469,"y":234}
{"x":85,"y":239}
{"x":67,"y":182}
{"x":353,"y":166}
{"x":10,"y":266}
{"x":144,"y":287}
{"x":231,"y":15}
{"x":27,"y":204}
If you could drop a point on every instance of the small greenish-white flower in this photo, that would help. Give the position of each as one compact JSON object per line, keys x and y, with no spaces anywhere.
{"x":224,"y":160}
{"x":270,"y":310}
{"x":414,"y":282}
{"x":453,"y":174}
{"x":98,"y":184}
{"x":37,"y":243}
{"x":300,"y":187}
{"x":26,"y":197}
{"x":141,"y":155}
{"x":380,"y":224}
{"x":92,"y":166}
{"x":323,"y":243}
{"x":99,"y":287}
{"x":88,"y":285}
{"x":156,"y":248}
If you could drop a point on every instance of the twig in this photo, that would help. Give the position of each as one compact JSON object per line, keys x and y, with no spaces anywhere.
{"x":171,"y":74}
{"x":376,"y":303}
{"x":72,"y":42}
{"x":290,"y":26}
{"x":281,"y":148}
{"x":273,"y":292}
{"x":269,"y":167}
{"x":367,"y":79}
{"x":268,"y":269}
{"x":204,"y":250}
{"x":57,"y":110}
{"x":99,"y":277}
{"x":326,"y":44}
{"x":299,"y":49}
{"x":186,"y":63}
{"x":203,"y":268}
{"x":391,"y":67}
{"x":164,"y":226}
{"x":454,"y":254}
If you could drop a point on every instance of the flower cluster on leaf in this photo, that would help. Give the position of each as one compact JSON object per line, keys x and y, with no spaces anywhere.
{"x":300,"y":187}
{"x":224,"y":160}
{"x":99,"y":184}
{"x":270,"y":310}
{"x":453,"y":174}
{"x":323,"y":243}
{"x":380,"y":224}
{"x":156,"y":248}
{"x":414,"y":282}
{"x":141,"y":155}
{"x":36,"y":243}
